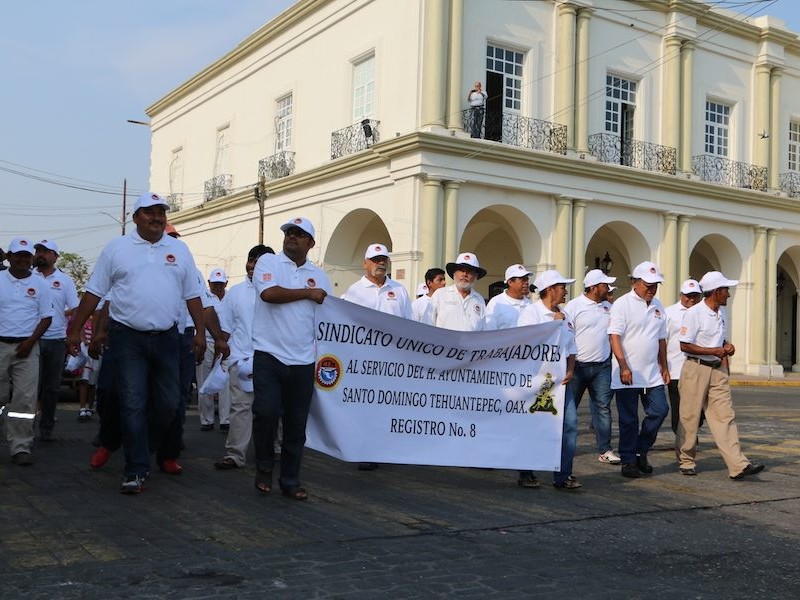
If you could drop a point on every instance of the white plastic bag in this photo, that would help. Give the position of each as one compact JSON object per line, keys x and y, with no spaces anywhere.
{"x":245,"y":373}
{"x":78,"y":361}
{"x":217,"y":379}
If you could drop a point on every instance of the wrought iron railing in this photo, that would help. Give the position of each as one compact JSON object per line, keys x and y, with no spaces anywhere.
{"x":610,"y":148}
{"x":276,"y":166}
{"x":517,"y":130}
{"x":175,"y":201}
{"x":354,"y":138}
{"x":217,"y":187}
{"x":718,"y":169}
{"x":790,"y":183}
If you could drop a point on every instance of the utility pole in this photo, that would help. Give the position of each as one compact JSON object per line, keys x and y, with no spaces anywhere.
{"x":261,"y":196}
{"x":124,"y":202}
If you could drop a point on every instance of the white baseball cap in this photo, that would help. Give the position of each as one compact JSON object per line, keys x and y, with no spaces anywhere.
{"x":422,"y":289}
{"x":465,"y":259}
{"x":49,"y":244}
{"x":218,"y":276}
{"x":691,"y":286}
{"x":20,"y":245}
{"x":374,"y":250}
{"x":301,"y":223}
{"x":516,"y":271}
{"x":245,"y":374}
{"x":647,"y":272}
{"x":714,"y":280}
{"x":150,"y":199}
{"x":596,"y":276}
{"x":611,"y":288}
{"x":550,"y":278}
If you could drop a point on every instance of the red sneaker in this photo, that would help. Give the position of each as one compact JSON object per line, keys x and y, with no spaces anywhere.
{"x":171,"y":467}
{"x":99,"y":458}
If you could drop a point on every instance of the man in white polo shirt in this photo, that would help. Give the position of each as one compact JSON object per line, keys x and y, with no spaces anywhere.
{"x":375,"y":289}
{"x":146,"y":276}
{"x":704,"y":383}
{"x":638,"y":331}
{"x":26,"y":311}
{"x":459,"y":306}
{"x":504,"y":309}
{"x":590,"y":313}
{"x":421,"y":307}
{"x":52,"y":346}
{"x":217,"y":282}
{"x":289,"y":286}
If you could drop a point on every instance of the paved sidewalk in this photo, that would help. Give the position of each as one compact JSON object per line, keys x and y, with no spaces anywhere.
{"x":408,"y":531}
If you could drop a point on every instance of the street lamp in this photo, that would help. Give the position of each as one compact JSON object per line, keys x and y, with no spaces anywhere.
{"x":605,"y":264}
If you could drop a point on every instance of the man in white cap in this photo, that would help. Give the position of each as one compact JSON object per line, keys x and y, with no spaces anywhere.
{"x":638,"y":331}
{"x":704,"y":383}
{"x":590,"y":314}
{"x":375,"y":289}
{"x":217,"y":282}
{"x":289,"y":286}
{"x":504,"y":309}
{"x":26,"y":311}
{"x":690,"y":295}
{"x":552,"y":288}
{"x":146,"y":276}
{"x":459,"y":306}
{"x":53,"y":344}
{"x":421,"y":309}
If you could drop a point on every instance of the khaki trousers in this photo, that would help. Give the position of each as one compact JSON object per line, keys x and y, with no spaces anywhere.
{"x":23,"y":375}
{"x":707,"y":389}
{"x":241,"y":419}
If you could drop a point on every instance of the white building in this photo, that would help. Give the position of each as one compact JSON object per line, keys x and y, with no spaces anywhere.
{"x":652,"y":130}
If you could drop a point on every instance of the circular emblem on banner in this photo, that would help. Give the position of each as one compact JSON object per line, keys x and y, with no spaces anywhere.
{"x":328,"y":372}
{"x":311,"y":282}
{"x":170,"y":258}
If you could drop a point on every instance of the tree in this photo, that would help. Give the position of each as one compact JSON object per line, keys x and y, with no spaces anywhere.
{"x":75,"y":266}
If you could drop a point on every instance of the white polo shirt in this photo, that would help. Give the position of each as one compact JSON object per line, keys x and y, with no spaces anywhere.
{"x":704,"y":327}
{"x":23,"y":304}
{"x":207,"y":299}
{"x":675,"y":356}
{"x":641,"y":327}
{"x":146,"y":284}
{"x":591,"y":321}
{"x":536,"y":312}
{"x":64,"y":296}
{"x":237,"y":319}
{"x":452,"y":311}
{"x":391,"y":298}
{"x":503,"y":311}
{"x":422,"y":310}
{"x":286,"y":330}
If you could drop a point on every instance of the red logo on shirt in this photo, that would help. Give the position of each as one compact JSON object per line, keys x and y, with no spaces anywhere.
{"x":390,"y":294}
{"x":658,"y":314}
{"x":311,"y":283}
{"x":170,"y":258}
{"x":31,"y":292}
{"x":56,"y":284}
{"x":266,"y":277}
{"x":477,"y":309}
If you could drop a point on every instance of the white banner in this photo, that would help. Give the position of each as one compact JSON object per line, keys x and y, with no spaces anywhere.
{"x":390,"y":390}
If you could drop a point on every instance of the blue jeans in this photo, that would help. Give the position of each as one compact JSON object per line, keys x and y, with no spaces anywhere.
{"x":569,"y":437}
{"x":632,"y":440}
{"x":146,"y":369}
{"x":596,"y":377}
{"x":109,"y":435}
{"x":170,"y":448}
{"x":51,"y":366}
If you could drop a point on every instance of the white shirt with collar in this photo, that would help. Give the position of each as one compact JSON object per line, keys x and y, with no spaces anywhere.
{"x":146,"y":284}
{"x":23,"y":304}
{"x":207,"y":299}
{"x":641,"y":327}
{"x":591,"y":321}
{"x":503,"y":311}
{"x":64,"y":296}
{"x":450,"y":310}
{"x":422,"y":310}
{"x":704,"y":327}
{"x":675,"y":356}
{"x":536,"y":313}
{"x":391,"y":298}
{"x":236,"y":319}
{"x":286,"y":330}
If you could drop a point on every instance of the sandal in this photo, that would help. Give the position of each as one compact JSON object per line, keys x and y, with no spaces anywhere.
{"x":226,"y":464}
{"x":528,"y":481}
{"x":571,"y":483}
{"x":295,"y":493}
{"x":263,"y":481}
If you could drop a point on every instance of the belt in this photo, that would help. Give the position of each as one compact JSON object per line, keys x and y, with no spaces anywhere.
{"x":12,"y":340}
{"x":155,"y":332}
{"x":705,"y":363}
{"x":189,"y":331}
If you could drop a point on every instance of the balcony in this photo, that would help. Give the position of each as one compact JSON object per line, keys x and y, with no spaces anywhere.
{"x":610,"y":148}
{"x":217,"y":187}
{"x":718,"y":169}
{"x":175,"y":201}
{"x":355,"y":138}
{"x":276,"y":166}
{"x":520,"y":131}
{"x":790,"y":183}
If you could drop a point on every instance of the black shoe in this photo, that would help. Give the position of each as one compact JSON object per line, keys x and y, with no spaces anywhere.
{"x":748,"y":470}
{"x":367,"y":466}
{"x":209,"y":427}
{"x":690,"y":471}
{"x":630,"y":470}
{"x":644,"y":466}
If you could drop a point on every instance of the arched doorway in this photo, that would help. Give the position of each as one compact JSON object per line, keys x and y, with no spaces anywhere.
{"x":788,"y":283}
{"x":625,"y":247}
{"x":344,"y":253}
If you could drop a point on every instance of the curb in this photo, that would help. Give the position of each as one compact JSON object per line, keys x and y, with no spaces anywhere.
{"x":764,"y":383}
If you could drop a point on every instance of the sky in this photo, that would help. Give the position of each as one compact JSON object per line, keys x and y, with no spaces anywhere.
{"x":76,"y":71}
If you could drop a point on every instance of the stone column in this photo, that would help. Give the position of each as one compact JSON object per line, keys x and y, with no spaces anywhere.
{"x":434,"y":62}
{"x":668,"y":260}
{"x":430,"y":230}
{"x":565,"y":71}
{"x":455,"y":91}
{"x":772,"y":304}
{"x":682,"y":263}
{"x":775,"y":128}
{"x":581,"y":139}
{"x":450,"y":245}
{"x":578,"y":244}
{"x":761,"y":115}
{"x":671,"y":98}
{"x":757,"y":306}
{"x":561,"y":235}
{"x":687,"y":103}
{"x":796,"y":365}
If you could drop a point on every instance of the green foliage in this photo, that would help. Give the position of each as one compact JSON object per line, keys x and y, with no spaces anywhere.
{"x":75,"y":266}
